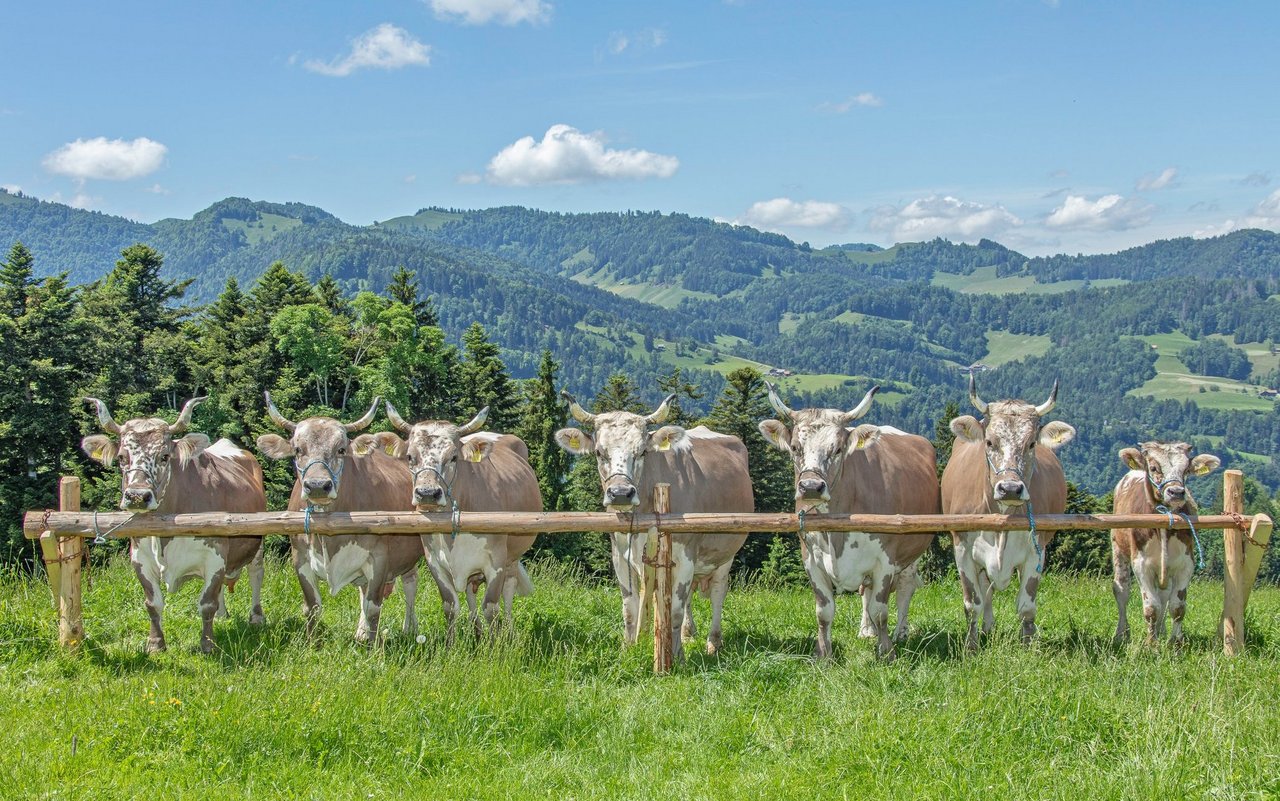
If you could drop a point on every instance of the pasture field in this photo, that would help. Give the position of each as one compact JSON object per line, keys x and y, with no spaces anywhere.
{"x":984,"y":281}
{"x":557,"y":709}
{"x":1173,"y":381}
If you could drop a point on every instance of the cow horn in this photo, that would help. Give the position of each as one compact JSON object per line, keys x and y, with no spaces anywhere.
{"x":276,"y":417}
{"x":863,"y":407}
{"x":364,"y":422}
{"x":775,"y":400}
{"x":184,"y":419}
{"x":396,"y":420}
{"x":104,"y":416}
{"x":580,"y":414}
{"x":660,"y":414}
{"x":1048,"y":405}
{"x":978,"y":403}
{"x":475,"y":424}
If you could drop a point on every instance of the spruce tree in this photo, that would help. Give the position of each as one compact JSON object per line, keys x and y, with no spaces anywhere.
{"x":674,"y":383}
{"x":483,"y":381}
{"x":545,"y":413}
{"x":404,"y":289}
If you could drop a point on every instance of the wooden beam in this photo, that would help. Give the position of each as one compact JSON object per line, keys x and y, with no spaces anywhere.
{"x":1255,"y":547}
{"x":227,"y":524}
{"x":1233,"y":569}
{"x":664,"y":630}
{"x":70,"y":550}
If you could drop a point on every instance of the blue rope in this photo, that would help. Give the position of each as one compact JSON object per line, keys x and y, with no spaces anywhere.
{"x":306,"y":521}
{"x":1199,"y":550}
{"x":1035,"y":540}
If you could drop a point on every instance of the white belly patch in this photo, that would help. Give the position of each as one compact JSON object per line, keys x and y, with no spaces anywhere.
{"x":847,"y":567}
{"x":182,"y":558}
{"x":349,"y":564}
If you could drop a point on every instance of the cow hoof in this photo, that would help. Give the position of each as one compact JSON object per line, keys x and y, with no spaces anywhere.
{"x":206,"y":646}
{"x":155,"y":645}
{"x":867,"y":633}
{"x":713,"y":648}
{"x":888,"y":656}
{"x":900,"y":635}
{"x":257,"y":619}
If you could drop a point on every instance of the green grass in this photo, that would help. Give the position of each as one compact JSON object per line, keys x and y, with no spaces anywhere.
{"x":665,"y":295}
{"x":1004,"y":347}
{"x":1259,"y":353}
{"x":264,"y":228}
{"x":429,"y":220}
{"x":985,"y":281}
{"x":1174,"y":382}
{"x":560,"y":710}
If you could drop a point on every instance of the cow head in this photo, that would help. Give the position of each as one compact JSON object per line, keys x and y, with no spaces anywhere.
{"x":1009,"y":431}
{"x":319,"y":448}
{"x":1166,"y":466}
{"x":818,"y":441}
{"x":621,"y":441}
{"x":146,"y":452}
{"x":432,"y":449}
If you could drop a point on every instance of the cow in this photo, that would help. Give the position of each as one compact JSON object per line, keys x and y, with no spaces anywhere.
{"x":1155,"y":483}
{"x":864,"y":470}
{"x":461,"y":468}
{"x":163,"y":475}
{"x":707,"y":472}
{"x":1004,"y":463}
{"x":331,"y":479}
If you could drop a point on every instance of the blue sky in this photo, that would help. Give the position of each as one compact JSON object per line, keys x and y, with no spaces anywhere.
{"x":1047,"y":126}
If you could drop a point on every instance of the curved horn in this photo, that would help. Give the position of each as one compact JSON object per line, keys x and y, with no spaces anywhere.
{"x":396,"y":420}
{"x":863,"y":407}
{"x":184,"y":419}
{"x":1048,"y":405}
{"x":775,"y":400}
{"x":364,"y":422}
{"x":276,"y":417}
{"x":104,"y":416}
{"x":580,"y":414}
{"x":660,"y":414}
{"x":475,"y":424}
{"x":978,"y":403}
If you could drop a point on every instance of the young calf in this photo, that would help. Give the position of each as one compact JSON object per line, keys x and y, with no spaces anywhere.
{"x":1155,"y":484}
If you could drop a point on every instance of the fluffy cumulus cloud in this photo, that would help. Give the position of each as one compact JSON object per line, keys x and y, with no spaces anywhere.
{"x":946,"y":216}
{"x":482,"y":12}
{"x":1264,"y":215}
{"x":569,"y":156}
{"x":385,"y":47}
{"x":107,"y":159}
{"x":1107,"y":213}
{"x":863,"y":99}
{"x":1152,"y":181}
{"x":782,"y":213}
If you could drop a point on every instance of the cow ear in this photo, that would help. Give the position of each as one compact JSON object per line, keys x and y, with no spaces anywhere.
{"x":476,"y":450}
{"x":667,"y":437}
{"x":967,"y":428}
{"x":190,"y":446}
{"x":385,"y":441}
{"x":1132,"y":459}
{"x":274,"y":446}
{"x":100,"y":448}
{"x":575,"y":441}
{"x":776,"y":434}
{"x":1204,"y":464}
{"x":863,"y":437}
{"x":1056,"y":434}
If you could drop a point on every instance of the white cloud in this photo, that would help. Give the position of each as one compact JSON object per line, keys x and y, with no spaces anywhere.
{"x":782,"y":212}
{"x":1264,"y":215}
{"x":568,"y":156}
{"x":385,"y":47}
{"x":481,"y":12}
{"x":864,"y":99}
{"x":948,"y":217}
{"x":1107,"y":213}
{"x":647,"y":39}
{"x":12,"y":189}
{"x":1150,"y":182}
{"x":157,"y":189}
{"x":108,"y":159}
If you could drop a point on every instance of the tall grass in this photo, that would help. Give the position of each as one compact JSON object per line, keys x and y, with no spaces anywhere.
{"x":558,"y":709}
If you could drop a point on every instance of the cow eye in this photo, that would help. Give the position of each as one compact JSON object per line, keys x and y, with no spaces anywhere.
{"x":164,"y":457}
{"x":342,"y":451}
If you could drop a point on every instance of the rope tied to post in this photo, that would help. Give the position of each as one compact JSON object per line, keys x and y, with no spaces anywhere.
{"x":1035,"y":539}
{"x":1162,"y":509}
{"x":100,"y":536}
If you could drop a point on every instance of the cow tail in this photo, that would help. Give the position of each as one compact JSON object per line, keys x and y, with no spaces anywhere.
{"x":524,"y":584}
{"x":1164,"y":557}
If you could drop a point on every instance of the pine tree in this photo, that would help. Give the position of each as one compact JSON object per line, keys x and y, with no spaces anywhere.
{"x":483,"y":381}
{"x":329,"y":295}
{"x":545,"y":414}
{"x":404,"y":289}
{"x":674,"y":383}
{"x":619,"y":394}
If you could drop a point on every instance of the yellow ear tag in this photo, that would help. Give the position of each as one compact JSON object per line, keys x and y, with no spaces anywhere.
{"x":575,"y":442}
{"x":1204,"y":470}
{"x":97,"y":454}
{"x":665,"y":444}
{"x":477,"y":455}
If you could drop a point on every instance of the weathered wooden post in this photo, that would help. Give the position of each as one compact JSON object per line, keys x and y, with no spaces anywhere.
{"x":1233,"y":591}
{"x":1255,"y":546}
{"x":70,"y":549}
{"x":662,"y":627}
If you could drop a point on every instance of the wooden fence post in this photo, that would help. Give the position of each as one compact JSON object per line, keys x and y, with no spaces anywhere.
{"x":70,"y":549}
{"x":1255,"y":547}
{"x":1233,"y":592}
{"x":662,"y":624}
{"x":52,"y":567}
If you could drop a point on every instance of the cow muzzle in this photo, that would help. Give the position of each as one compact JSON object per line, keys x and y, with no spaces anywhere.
{"x":1010,"y":491}
{"x":137,"y":499}
{"x":812,"y":489}
{"x":428,"y":498}
{"x":621,"y":495}
{"x":1175,"y":497}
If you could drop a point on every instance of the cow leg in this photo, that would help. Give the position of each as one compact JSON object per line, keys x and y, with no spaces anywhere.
{"x":153,"y":599}
{"x":824,"y":595}
{"x":257,"y":572}
{"x":630,"y":584}
{"x":472,"y":608}
{"x":1149,"y":613}
{"x":987,"y":591}
{"x":689,"y":627}
{"x":210,"y":596}
{"x":904,"y":586}
{"x":438,"y":563}
{"x":409,"y":583}
{"x":968,"y":571}
{"x":718,"y":590}
{"x":370,"y":610}
{"x":311,"y":604}
{"x":1177,"y":609}
{"x":222,"y":603}
{"x":865,"y":629}
{"x":681,"y":592}
{"x":1029,"y":585}
{"x":876,"y":600}
{"x":494,"y":588}
{"x":1121,"y":585}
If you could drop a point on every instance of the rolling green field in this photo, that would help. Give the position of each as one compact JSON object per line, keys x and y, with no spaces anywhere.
{"x":1174,"y":382}
{"x":1004,"y":347}
{"x":665,"y":295}
{"x":985,"y":281}
{"x":557,"y":709}
{"x":264,"y":228}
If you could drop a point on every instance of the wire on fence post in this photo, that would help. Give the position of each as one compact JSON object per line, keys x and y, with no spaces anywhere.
{"x":664,"y":628}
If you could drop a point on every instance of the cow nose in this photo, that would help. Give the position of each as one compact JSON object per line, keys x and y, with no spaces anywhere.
{"x":621,"y":492}
{"x":427,"y":494}
{"x":137,"y":497}
{"x":1009,"y":489}
{"x":810,"y":487}
{"x":1176,"y":493}
{"x":317,"y":485}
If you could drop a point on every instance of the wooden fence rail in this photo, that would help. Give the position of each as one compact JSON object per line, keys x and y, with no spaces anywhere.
{"x":60,"y":534}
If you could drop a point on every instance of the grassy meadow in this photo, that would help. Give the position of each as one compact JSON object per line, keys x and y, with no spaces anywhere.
{"x":558,"y":709}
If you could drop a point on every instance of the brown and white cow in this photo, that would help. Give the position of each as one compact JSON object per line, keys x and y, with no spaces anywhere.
{"x":1155,"y":483}
{"x":163,"y":475}
{"x":331,"y":479}
{"x":864,"y":470}
{"x":1000,"y":464}
{"x":463,"y":468}
{"x":707,"y":472}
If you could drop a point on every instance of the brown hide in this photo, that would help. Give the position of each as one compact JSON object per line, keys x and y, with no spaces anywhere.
{"x":966,"y":486}
{"x":1134,"y":497}
{"x":209,"y":483}
{"x":502,"y":482}
{"x":898,"y":474}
